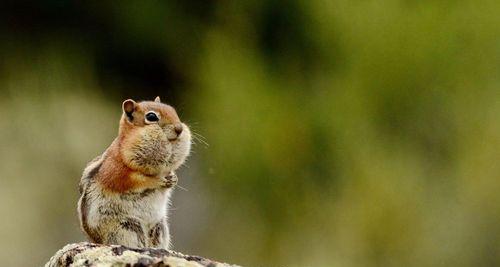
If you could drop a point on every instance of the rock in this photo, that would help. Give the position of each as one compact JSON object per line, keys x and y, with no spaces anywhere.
{"x":89,"y":254}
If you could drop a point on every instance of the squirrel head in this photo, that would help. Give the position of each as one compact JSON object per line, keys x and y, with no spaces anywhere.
{"x":153,"y":140}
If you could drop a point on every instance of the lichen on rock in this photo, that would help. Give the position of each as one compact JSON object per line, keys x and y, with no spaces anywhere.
{"x":90,"y":254}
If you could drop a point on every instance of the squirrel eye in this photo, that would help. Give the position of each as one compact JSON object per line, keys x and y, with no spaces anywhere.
{"x":151,"y":117}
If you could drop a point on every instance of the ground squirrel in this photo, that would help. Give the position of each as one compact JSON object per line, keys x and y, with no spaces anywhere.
{"x":125,"y":191}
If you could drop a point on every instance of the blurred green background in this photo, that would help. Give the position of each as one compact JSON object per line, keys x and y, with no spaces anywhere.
{"x":340,"y":133}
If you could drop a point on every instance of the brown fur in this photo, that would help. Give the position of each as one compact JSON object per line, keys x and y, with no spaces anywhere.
{"x":155,"y":233}
{"x":115,"y":175}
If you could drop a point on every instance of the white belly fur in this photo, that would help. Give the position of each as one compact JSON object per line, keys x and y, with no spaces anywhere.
{"x":149,"y":210}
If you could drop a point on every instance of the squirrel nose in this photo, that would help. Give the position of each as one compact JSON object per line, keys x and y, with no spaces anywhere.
{"x":178,"y":129}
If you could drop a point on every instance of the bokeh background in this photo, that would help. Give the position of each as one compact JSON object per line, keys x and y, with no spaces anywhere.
{"x":329,"y":133}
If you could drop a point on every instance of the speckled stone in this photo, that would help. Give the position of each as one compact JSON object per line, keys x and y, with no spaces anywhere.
{"x":89,"y":254}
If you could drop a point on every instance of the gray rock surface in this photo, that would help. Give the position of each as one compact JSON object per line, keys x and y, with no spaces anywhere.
{"x":89,"y":254}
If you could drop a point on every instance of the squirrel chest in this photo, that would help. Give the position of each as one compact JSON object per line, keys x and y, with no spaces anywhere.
{"x":147,"y":207}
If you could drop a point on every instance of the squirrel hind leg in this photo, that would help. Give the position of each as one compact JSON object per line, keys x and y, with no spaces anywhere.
{"x":159,"y":235}
{"x":126,"y":232}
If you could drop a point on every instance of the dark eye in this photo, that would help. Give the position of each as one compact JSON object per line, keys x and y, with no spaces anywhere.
{"x":151,"y":117}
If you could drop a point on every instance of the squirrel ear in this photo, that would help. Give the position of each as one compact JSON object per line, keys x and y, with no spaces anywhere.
{"x":128,"y":108}
{"x":157,"y":99}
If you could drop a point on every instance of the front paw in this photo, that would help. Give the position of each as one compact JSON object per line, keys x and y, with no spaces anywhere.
{"x":170,"y":180}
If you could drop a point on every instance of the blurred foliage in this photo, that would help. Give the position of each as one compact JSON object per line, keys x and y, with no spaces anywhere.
{"x":340,"y":133}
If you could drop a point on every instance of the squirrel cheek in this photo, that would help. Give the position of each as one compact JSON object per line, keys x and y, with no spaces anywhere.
{"x":147,"y":150}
